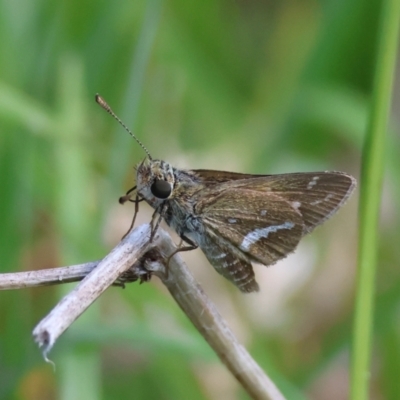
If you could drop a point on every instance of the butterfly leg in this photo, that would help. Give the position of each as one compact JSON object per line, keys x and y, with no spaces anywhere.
{"x":127,"y":196}
{"x":192,"y":246}
{"x":136,"y":201}
{"x":161,"y":211}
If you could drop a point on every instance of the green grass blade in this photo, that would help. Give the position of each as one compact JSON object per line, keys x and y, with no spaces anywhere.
{"x":370,"y":195}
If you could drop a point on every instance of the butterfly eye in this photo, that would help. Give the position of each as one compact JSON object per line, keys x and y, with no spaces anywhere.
{"x":161,"y":189}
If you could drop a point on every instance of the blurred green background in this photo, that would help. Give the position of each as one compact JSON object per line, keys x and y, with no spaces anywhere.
{"x":248,"y":86}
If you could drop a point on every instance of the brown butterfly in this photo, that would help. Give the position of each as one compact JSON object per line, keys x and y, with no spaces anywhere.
{"x":237,"y":219}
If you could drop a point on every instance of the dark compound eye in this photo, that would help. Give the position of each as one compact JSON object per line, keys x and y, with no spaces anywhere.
{"x":161,"y":189}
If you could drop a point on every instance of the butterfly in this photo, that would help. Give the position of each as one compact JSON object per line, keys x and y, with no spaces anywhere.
{"x":235,"y":218}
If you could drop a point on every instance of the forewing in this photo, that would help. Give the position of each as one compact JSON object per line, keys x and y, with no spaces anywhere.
{"x":316,"y":195}
{"x":261,"y":225}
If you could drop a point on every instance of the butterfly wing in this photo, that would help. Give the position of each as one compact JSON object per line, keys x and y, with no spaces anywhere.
{"x":262,"y":218}
{"x":263,"y":228}
{"x":234,"y":236}
{"x":209,"y":176}
{"x":316,"y":195}
{"x":229,"y":263}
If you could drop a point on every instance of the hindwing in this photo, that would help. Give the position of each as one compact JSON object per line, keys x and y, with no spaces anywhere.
{"x":264,"y":227}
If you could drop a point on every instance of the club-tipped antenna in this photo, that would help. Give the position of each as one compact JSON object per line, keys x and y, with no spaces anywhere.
{"x":100,"y":101}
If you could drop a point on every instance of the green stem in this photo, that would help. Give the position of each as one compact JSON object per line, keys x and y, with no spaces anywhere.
{"x":370,"y":195}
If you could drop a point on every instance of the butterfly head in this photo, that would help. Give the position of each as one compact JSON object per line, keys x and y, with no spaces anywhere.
{"x":155,"y":178}
{"x":155,"y":181}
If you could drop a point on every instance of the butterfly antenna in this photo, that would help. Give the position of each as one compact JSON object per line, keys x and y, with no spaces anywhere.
{"x":100,"y":101}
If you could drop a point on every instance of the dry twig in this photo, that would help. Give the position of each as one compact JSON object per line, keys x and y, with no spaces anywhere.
{"x":133,"y":258}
